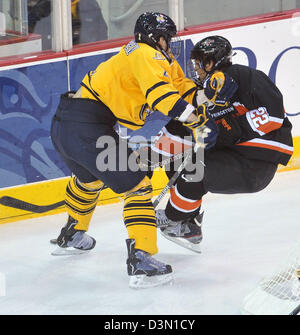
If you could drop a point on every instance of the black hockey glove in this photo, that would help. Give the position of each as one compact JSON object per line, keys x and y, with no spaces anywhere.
{"x":229,"y":131}
{"x":220,"y":88}
{"x":204,"y":130}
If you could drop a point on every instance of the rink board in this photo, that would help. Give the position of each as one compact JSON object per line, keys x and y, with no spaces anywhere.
{"x":49,"y":192}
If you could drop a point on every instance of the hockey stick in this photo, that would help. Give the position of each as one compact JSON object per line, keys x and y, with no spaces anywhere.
{"x":27,"y":206}
{"x":173,"y":178}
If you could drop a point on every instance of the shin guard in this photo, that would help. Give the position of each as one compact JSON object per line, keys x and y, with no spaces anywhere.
{"x":139,"y":217}
{"x":81,"y":200}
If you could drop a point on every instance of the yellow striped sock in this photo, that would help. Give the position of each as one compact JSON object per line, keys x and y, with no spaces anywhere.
{"x":81,"y":200}
{"x":139,"y":218}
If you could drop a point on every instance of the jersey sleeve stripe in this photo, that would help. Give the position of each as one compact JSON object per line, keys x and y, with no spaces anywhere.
{"x":91,"y":91}
{"x":90,"y":78}
{"x":181,"y":107}
{"x":270,"y":126}
{"x":154,"y":87}
{"x":169,"y":145}
{"x":188,"y":92}
{"x":174,"y":138}
{"x":276,"y":119}
{"x":161,"y":98}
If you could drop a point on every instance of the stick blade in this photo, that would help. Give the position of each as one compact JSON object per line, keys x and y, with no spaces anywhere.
{"x":27,"y":206}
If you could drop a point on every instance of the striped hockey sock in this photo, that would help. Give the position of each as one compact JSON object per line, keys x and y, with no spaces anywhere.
{"x":139,"y":217}
{"x":81,"y":200}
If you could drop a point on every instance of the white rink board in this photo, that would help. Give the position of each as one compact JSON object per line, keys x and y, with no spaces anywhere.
{"x":267,"y":41}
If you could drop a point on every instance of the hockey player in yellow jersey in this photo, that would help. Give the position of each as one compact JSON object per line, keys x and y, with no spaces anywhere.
{"x":143,"y":76}
{"x":136,"y":76}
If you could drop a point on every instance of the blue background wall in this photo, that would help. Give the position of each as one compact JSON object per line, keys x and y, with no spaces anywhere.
{"x":28,"y":100}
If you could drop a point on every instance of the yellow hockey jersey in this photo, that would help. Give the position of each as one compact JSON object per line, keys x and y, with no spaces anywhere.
{"x":137,"y":81}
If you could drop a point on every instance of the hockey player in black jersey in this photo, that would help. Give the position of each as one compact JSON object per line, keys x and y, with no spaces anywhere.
{"x":254,"y":137}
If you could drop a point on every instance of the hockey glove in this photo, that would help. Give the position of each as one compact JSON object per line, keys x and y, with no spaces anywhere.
{"x":229,"y":131}
{"x":220,"y":88}
{"x":204,"y":130}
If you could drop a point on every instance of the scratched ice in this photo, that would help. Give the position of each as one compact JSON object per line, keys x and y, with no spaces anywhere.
{"x":246,"y":237}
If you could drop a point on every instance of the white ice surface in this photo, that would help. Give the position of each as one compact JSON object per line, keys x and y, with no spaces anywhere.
{"x":245,"y":238}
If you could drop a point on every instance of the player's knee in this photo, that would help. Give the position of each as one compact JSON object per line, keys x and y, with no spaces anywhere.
{"x":144,"y":189}
{"x":92,"y":186}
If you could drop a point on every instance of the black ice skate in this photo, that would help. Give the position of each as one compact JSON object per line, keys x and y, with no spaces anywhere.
{"x":72,"y":241}
{"x":187,"y":234}
{"x":144,"y":270}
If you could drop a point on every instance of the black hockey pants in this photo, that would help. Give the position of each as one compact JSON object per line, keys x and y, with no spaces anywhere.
{"x":225,"y":172}
{"x":77,"y":130}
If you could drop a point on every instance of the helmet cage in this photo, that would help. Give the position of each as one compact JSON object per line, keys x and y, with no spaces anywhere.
{"x":192,"y":73}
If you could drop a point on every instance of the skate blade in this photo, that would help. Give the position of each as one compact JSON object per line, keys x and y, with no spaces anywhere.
{"x":143,"y":281}
{"x":68,"y":251}
{"x":184,"y":243}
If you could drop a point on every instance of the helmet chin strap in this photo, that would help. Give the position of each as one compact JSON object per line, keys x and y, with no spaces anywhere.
{"x":165,"y":53}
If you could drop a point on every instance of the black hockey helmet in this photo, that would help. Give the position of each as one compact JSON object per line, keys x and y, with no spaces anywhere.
{"x":150,"y":26}
{"x":215,"y":48}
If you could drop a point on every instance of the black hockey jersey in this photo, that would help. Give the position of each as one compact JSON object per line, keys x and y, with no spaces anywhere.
{"x":266,"y":130}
